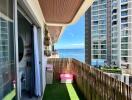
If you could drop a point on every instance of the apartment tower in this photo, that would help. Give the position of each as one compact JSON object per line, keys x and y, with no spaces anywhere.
{"x":122,"y":34}
{"x":98,"y":32}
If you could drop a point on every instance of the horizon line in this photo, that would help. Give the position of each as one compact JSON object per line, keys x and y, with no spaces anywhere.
{"x":71,"y":48}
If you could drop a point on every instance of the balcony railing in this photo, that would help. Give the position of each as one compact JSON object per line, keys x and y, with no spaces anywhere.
{"x":93,"y":83}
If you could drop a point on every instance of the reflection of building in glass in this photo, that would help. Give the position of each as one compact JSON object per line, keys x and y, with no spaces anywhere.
{"x":4,"y":41}
{"x":7,"y":68}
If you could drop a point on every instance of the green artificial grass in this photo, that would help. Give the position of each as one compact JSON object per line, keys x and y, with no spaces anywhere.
{"x":11,"y":95}
{"x":58,"y":91}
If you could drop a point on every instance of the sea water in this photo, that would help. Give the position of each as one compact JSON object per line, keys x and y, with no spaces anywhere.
{"x":78,"y":54}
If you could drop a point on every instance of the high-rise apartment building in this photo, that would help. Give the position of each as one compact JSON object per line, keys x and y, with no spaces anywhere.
{"x":110,"y":33}
{"x":98,"y":31}
{"x":121,"y":34}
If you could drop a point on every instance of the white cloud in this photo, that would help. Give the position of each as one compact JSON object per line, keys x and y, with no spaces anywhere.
{"x":70,"y":46}
{"x":78,"y":44}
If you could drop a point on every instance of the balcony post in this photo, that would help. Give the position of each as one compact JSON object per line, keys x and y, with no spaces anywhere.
{"x":16,"y":49}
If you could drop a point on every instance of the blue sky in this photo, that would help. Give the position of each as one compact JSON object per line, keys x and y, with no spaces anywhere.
{"x":73,"y":36}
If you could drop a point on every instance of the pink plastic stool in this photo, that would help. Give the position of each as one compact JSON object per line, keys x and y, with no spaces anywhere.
{"x":66,"y":78}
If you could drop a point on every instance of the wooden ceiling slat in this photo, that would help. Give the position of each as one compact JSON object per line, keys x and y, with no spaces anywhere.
{"x":60,"y":11}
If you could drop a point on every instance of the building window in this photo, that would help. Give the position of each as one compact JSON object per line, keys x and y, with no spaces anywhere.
{"x":103,"y":42}
{"x":114,"y":46}
{"x":103,"y":51}
{"x":102,"y":31}
{"x":102,"y":7}
{"x":102,"y":16}
{"x":102,"y":22}
{"x":124,"y":6}
{"x":123,"y":26}
{"x":95,"y":42}
{"x":103,"y":56}
{"x":95,"y":46}
{"x":124,"y":52}
{"x":124,"y":1}
{"x":102,"y":11}
{"x":114,"y":40}
{"x":114,"y":17}
{"x":125,"y":59}
{"x":95,"y":56}
{"x":102,"y":37}
{"x":124,"y":46}
{"x":124,"y":39}
{"x":95,"y":22}
{"x":124,"y":20}
{"x":7,"y":66}
{"x":95,"y":51}
{"x":124,"y":13}
{"x":103,"y":46}
{"x":114,"y":23}
{"x":95,"y":2}
{"x":114,"y":11}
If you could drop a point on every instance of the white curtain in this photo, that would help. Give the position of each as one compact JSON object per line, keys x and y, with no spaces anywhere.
{"x":36,"y":59}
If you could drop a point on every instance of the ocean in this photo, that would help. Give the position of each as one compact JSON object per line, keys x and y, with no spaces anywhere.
{"x":78,"y":54}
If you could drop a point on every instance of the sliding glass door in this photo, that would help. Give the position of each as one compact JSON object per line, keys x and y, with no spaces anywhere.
{"x":7,"y":62}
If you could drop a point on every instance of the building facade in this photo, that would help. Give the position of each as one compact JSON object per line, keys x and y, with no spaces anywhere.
{"x":121,"y":34}
{"x":110,"y":32}
{"x":100,"y":32}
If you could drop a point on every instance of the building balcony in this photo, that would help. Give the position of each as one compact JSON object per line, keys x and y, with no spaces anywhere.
{"x":88,"y":83}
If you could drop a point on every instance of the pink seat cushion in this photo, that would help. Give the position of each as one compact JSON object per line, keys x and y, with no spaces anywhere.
{"x":66,"y":76}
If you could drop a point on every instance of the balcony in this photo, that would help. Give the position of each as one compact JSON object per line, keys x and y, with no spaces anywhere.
{"x":89,"y":83}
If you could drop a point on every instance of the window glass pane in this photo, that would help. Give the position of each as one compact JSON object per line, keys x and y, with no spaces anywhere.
{"x":124,"y":39}
{"x":124,"y":53}
{"x":103,"y":56}
{"x":103,"y":46}
{"x":124,"y":46}
{"x":95,"y":46}
{"x":95,"y":56}
{"x":103,"y":51}
{"x":7,"y":66}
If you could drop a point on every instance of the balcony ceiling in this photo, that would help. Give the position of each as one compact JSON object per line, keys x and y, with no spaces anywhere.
{"x":54,"y":32}
{"x":60,"y":13}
